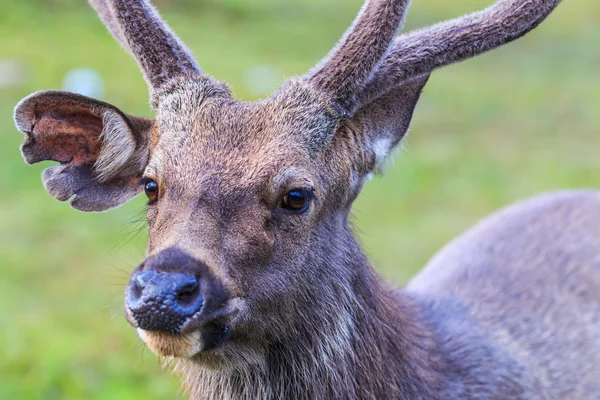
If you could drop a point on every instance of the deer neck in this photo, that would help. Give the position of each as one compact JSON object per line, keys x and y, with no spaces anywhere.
{"x":359,"y":340}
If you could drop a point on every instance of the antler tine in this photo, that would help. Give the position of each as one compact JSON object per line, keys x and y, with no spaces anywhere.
{"x":350,"y":64}
{"x":422,"y":51}
{"x":108,"y":19}
{"x":139,"y":28}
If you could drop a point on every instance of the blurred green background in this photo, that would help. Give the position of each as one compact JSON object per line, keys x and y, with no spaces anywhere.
{"x":521,"y":120}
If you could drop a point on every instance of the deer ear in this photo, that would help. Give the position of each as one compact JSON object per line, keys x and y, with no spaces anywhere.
{"x":102,"y":152}
{"x":385,"y":120}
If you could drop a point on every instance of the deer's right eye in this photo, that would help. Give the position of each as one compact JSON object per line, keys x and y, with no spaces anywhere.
{"x":151,"y":190}
{"x":296,"y":201}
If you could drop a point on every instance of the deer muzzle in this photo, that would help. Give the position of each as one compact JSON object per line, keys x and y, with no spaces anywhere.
{"x":163,"y":302}
{"x":172,"y":297}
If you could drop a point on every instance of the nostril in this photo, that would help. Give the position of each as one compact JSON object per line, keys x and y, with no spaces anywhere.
{"x":188,"y":293}
{"x":135,"y":292}
{"x":139,"y":285}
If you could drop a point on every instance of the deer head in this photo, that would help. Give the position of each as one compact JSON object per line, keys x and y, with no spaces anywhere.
{"x":249,"y":244}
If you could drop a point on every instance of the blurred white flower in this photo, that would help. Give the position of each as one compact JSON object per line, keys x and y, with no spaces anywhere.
{"x":11,"y":73}
{"x":262,"y":79}
{"x":85,"y":81}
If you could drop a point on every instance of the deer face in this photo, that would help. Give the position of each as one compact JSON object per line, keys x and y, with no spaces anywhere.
{"x":247,"y":202}
{"x":238,"y":195}
{"x":234,"y":197}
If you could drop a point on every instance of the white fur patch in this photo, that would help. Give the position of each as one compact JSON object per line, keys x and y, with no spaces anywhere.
{"x":381,"y":148}
{"x":118,"y":145}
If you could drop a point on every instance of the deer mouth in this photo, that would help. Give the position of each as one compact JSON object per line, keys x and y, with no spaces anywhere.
{"x":200,"y":333}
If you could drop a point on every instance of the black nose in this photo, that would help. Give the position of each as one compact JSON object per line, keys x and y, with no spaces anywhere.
{"x":163,"y":301}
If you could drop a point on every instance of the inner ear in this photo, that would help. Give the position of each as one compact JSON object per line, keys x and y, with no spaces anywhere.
{"x":68,"y":136}
{"x":385,"y":121}
{"x":102,"y":152}
{"x":75,"y":130}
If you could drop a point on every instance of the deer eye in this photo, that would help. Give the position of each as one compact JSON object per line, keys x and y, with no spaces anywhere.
{"x":296,"y":200}
{"x":151,"y":189}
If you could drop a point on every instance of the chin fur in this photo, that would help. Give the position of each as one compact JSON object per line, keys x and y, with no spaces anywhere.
{"x":170,"y":345}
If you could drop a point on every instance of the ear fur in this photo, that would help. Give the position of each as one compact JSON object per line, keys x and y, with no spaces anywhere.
{"x":385,"y":121}
{"x":102,"y":151}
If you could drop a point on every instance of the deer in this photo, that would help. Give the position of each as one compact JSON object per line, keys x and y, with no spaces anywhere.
{"x":254,"y":286}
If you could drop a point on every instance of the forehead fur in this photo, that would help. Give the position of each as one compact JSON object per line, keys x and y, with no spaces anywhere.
{"x":201,"y":127}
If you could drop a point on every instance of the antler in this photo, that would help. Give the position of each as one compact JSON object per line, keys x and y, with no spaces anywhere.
{"x":108,"y":19}
{"x":138,"y":27}
{"x":449,"y":42}
{"x":350,"y":64}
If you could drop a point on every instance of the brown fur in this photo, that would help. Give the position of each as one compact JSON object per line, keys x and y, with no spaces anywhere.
{"x":508,"y":311}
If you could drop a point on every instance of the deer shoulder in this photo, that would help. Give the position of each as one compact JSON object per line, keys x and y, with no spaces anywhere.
{"x":526,"y":280}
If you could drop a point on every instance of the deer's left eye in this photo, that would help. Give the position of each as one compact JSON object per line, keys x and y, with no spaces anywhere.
{"x":151,"y":190}
{"x":296,"y":200}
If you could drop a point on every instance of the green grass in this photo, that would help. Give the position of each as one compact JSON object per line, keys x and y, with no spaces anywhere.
{"x":521,"y":120}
